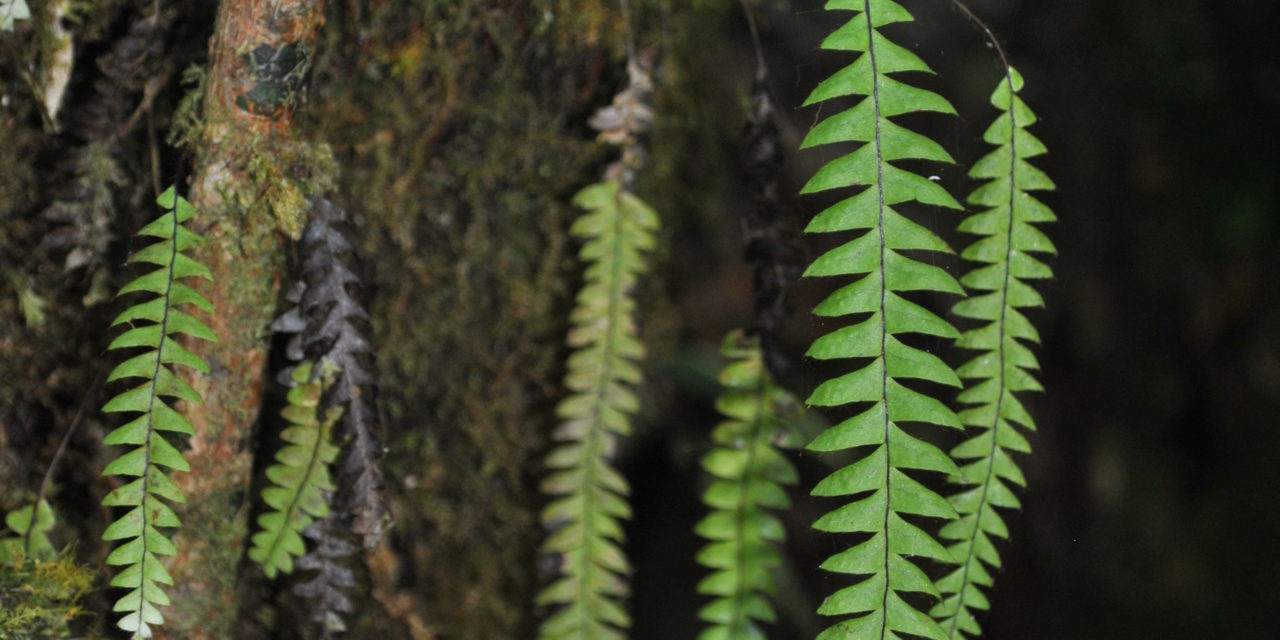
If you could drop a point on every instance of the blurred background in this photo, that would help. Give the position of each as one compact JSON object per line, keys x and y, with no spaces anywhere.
{"x":1152,"y":507}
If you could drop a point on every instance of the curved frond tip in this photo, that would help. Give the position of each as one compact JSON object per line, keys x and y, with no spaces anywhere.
{"x":1005,"y":260}
{"x":155,"y":325}
{"x":884,"y":502}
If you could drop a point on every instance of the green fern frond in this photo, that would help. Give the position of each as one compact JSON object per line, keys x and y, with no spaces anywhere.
{"x":1005,"y":364}
{"x":155,"y":325}
{"x":882,"y":493}
{"x":588,"y":497}
{"x":13,"y":10}
{"x":300,"y":477}
{"x":749,"y":474}
{"x":33,"y":537}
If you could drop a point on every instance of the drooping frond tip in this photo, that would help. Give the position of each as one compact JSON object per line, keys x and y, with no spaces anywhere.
{"x":1004,"y":365}
{"x":155,"y":325}
{"x":748,"y":474}
{"x":301,"y":484}
{"x":881,"y":495}
{"x":588,"y":497}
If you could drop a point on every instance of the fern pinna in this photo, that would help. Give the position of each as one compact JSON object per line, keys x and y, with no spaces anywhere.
{"x":32,"y":523}
{"x":749,"y":478}
{"x":588,"y":495}
{"x":301,"y":484}
{"x":1005,"y":364}
{"x":155,"y":325}
{"x":881,"y":493}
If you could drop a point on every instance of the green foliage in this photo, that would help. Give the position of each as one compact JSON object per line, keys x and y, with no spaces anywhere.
{"x":33,"y":538}
{"x":300,"y":477}
{"x":12,"y":10}
{"x":38,"y":597}
{"x":154,"y":327}
{"x":588,"y":497}
{"x":749,"y":473}
{"x":881,"y":493}
{"x":1005,"y":364}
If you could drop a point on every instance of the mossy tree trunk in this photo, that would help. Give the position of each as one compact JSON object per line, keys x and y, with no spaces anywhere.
{"x":260,"y":53}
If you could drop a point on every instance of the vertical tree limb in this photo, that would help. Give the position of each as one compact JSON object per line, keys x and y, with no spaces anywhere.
{"x":260,"y":54}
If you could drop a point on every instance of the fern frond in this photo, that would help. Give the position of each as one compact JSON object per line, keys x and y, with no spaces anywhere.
{"x":882,"y":493}
{"x":155,"y":325}
{"x":749,"y":473}
{"x":11,"y":11}
{"x":33,"y":535}
{"x":330,"y":325}
{"x":331,"y":576}
{"x":300,"y":494}
{"x":588,"y":495}
{"x":1005,"y":364}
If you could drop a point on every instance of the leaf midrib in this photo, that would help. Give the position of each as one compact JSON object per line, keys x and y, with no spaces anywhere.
{"x":595,"y":433}
{"x":151,"y":403}
{"x":318,"y":431}
{"x":736,"y":618}
{"x":884,"y":328}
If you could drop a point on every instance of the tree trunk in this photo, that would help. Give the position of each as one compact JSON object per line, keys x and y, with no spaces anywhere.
{"x":260,"y":53}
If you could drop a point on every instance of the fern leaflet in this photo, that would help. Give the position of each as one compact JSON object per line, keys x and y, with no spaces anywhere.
{"x":749,"y":474}
{"x":1004,"y":365}
{"x":33,"y":536}
{"x":302,"y":485}
{"x":588,"y":495}
{"x":159,"y":320}
{"x":882,"y":493}
{"x":11,"y":11}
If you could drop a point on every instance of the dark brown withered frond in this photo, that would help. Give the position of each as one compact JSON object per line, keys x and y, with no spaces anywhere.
{"x":329,"y":577}
{"x":133,"y":61}
{"x":336,"y":326}
{"x":329,"y":323}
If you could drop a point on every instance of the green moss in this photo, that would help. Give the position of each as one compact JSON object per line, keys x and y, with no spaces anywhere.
{"x":187,"y":124}
{"x":282,"y":179}
{"x":38,"y":599}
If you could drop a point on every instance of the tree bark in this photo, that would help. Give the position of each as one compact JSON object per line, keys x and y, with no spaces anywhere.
{"x":260,"y":53}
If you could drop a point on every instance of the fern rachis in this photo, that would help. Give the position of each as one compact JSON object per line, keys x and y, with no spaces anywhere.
{"x":1002,"y":367}
{"x":882,"y":492}
{"x":143,"y":571}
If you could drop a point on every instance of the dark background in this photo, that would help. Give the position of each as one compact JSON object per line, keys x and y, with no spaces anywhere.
{"x":1151,"y":510}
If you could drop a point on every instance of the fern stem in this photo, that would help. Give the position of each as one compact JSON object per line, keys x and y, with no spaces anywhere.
{"x":740,"y":510}
{"x":57,"y":455}
{"x":884,"y":326}
{"x":151,"y":403}
{"x":991,"y":36}
{"x":598,"y":430}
